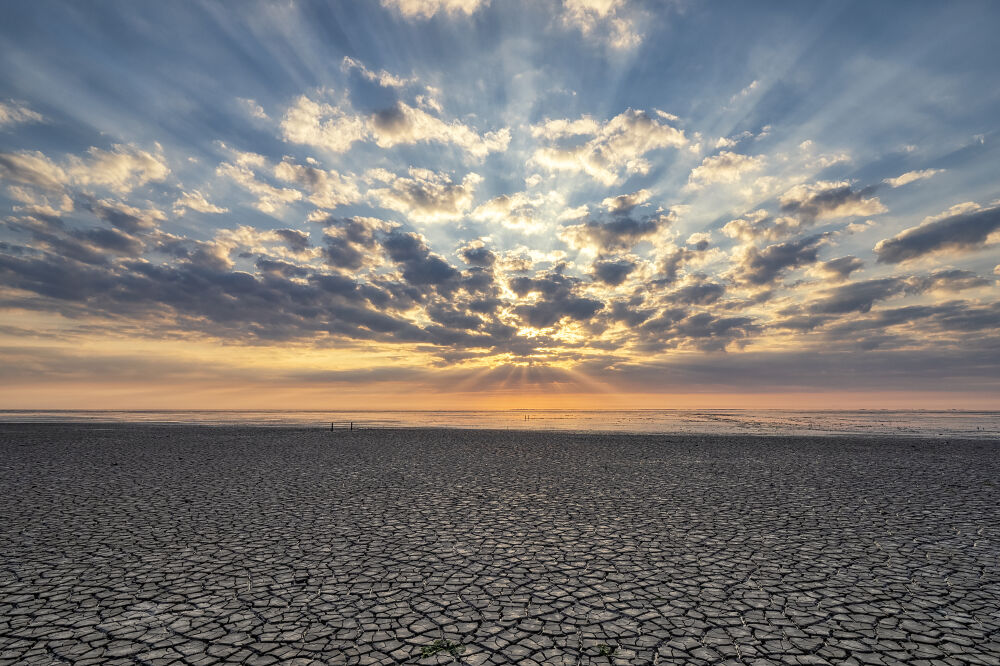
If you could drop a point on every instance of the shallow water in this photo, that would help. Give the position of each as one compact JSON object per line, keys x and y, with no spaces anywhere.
{"x":918,"y":423}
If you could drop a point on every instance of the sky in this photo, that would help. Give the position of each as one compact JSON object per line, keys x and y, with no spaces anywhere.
{"x":476,"y":204}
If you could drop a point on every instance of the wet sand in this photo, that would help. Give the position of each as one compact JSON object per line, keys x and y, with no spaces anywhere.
{"x":201,"y":545}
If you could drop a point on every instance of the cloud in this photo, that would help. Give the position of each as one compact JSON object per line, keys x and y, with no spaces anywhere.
{"x":964,"y":231}
{"x":825,"y":199}
{"x":623,"y":203}
{"x":425,"y":196}
{"x":861,"y":296}
{"x":121,"y":216}
{"x":419,"y":266}
{"x":698,"y":293}
{"x":761,"y":267}
{"x":197,"y":202}
{"x":911,"y":176}
{"x":858,"y":296}
{"x":381,"y":77}
{"x":477,"y":254}
{"x":32,"y":168}
{"x":753,"y":85}
{"x":254,"y":109}
{"x":612,"y":148}
{"x":759,"y":225}
{"x":404,"y":124}
{"x":525,"y":213}
{"x":806,"y":370}
{"x":952,"y":280}
{"x":840,"y":268}
{"x":613,"y":272}
{"x":328,"y":189}
{"x":335,"y":129}
{"x":120,"y":169}
{"x":603,"y":19}
{"x":353,"y":243}
{"x":13,"y":113}
{"x":321,"y":125}
{"x":677,"y":328}
{"x":269,"y":197}
{"x":621,"y":233}
{"x":726,"y":167}
{"x":558,"y":300}
{"x":425,"y":9}
{"x":672,"y":260}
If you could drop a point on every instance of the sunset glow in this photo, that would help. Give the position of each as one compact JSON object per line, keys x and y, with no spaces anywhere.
{"x":465,"y":204}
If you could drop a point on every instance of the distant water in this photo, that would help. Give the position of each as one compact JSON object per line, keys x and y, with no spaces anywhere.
{"x":965,"y":424}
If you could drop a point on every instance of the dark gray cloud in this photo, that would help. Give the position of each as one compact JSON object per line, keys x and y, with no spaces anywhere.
{"x":419,"y":266}
{"x":613,"y":272}
{"x":31,"y":168}
{"x":701,"y":293}
{"x":478,"y":256}
{"x":620,"y":233}
{"x":932,"y":370}
{"x":842,"y":267}
{"x":952,"y":280}
{"x":128,"y":219}
{"x":548,"y":313}
{"x":963,"y":232}
{"x":762,"y":267}
{"x":350,"y":242}
{"x":297,"y":241}
{"x":677,"y":327}
{"x":859,"y":296}
{"x":559,"y":300}
{"x":673,"y":261}
{"x":825,"y":199}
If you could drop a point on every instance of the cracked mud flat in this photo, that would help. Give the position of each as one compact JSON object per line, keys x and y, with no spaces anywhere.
{"x":186,"y":545}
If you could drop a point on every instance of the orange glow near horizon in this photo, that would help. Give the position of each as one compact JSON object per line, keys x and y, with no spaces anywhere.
{"x":206,"y":397}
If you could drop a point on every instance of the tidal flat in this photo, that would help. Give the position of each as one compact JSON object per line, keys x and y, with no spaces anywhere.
{"x":199,"y":545}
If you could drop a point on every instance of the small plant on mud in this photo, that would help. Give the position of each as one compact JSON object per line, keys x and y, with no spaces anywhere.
{"x":442,"y":645}
{"x":605,"y":650}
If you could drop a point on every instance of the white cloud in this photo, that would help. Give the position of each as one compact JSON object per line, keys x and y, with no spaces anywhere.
{"x":404,"y":124}
{"x":321,"y":125}
{"x":32,"y":168}
{"x":328,"y":189}
{"x":381,"y":77}
{"x":626,"y":202}
{"x":425,"y":9}
{"x":333,"y":128}
{"x":196,"y":201}
{"x":825,"y":200}
{"x":424,"y":196}
{"x":253,"y":108}
{"x":559,"y":128}
{"x":573,"y":213}
{"x":911,"y":176}
{"x":726,"y":167}
{"x":745,"y":92}
{"x":525,"y":213}
{"x":604,"y":19}
{"x":616,"y":146}
{"x":120,"y":169}
{"x":269,"y":197}
{"x":17,"y":113}
{"x":758,"y":225}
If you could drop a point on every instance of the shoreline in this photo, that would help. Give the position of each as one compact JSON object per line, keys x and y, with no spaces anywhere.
{"x":362,"y":428}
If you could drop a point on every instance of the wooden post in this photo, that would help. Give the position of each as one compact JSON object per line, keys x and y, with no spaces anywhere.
{"x":352,"y":426}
